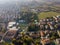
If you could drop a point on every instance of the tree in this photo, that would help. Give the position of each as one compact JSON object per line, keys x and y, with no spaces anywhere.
{"x":33,"y":27}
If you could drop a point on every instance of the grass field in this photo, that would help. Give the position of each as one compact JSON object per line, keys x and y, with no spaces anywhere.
{"x":43,"y":15}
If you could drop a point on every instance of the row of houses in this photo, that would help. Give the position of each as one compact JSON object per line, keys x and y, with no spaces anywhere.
{"x":49,"y":23}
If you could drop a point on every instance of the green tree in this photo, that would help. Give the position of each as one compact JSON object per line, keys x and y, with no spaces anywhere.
{"x":33,"y":27}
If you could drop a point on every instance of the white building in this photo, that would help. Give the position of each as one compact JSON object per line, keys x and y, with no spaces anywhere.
{"x":12,"y":26}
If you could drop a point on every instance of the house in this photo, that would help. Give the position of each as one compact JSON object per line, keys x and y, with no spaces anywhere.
{"x":58,"y":41}
{"x":9,"y":35}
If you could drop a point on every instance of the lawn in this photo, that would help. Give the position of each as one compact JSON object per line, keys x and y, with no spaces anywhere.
{"x":43,"y":15}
